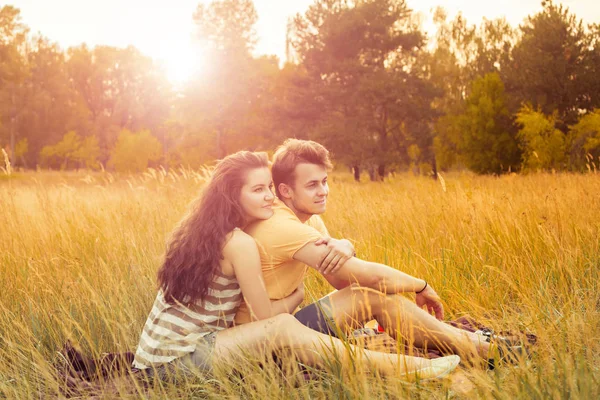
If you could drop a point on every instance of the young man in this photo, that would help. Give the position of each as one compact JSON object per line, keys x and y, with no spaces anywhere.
{"x":291,"y":241}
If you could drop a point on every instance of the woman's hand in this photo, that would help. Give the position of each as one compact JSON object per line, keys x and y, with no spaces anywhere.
{"x":340,"y":251}
{"x":295,"y":298}
{"x":300,"y":290}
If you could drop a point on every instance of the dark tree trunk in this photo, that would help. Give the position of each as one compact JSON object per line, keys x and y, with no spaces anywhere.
{"x":372,"y":174}
{"x":381,"y":171}
{"x":356,"y":172}
{"x":13,"y":118}
{"x":434,"y":167}
{"x":12,"y":142}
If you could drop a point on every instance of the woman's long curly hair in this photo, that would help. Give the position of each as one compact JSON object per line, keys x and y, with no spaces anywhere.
{"x":196,"y":247}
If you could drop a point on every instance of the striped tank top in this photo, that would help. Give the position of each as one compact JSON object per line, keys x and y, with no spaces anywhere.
{"x":173,"y":330}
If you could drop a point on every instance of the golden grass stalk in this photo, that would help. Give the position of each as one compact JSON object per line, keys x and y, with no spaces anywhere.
{"x":79,"y":254}
{"x":7,"y":168}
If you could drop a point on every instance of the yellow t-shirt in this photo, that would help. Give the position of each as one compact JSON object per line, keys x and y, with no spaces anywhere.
{"x":278,"y":239}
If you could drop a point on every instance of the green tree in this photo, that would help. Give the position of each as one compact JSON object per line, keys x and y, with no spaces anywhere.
{"x":359,"y":57}
{"x":544,"y":145}
{"x":63,"y":154}
{"x":476,"y":49}
{"x":591,"y":74}
{"x":47,"y":98}
{"x":186,"y":148}
{"x":225,"y":95}
{"x":228,"y":25}
{"x":88,"y":153}
{"x":13,"y":75}
{"x":547,"y":66}
{"x":487,"y":144}
{"x":21,"y":150}
{"x":134,"y":152}
{"x":116,"y":89}
{"x":72,"y":152}
{"x":462,"y":54}
{"x":585,"y":141}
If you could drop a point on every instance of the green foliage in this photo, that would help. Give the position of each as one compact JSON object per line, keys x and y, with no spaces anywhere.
{"x":191,"y":151}
{"x":585,"y":139}
{"x":21,"y":148}
{"x":487,"y":144}
{"x":549,"y":63}
{"x":45,"y":114}
{"x":225,"y":98}
{"x":472,"y":129}
{"x":116,"y":89}
{"x":229,"y":24}
{"x":465,"y":52}
{"x":447,"y":131}
{"x":134,"y":152}
{"x":89,"y":152}
{"x":360,"y":78}
{"x":544,"y":145}
{"x":13,"y":75}
{"x":72,"y":152}
{"x":371,"y":99}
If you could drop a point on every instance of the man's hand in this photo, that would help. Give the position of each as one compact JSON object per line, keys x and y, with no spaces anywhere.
{"x":430,"y":299}
{"x":340,"y":251}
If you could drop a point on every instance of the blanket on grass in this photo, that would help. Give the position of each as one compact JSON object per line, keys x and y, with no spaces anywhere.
{"x":78,"y":372}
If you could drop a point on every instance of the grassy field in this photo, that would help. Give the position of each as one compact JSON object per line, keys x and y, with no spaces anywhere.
{"x":79,"y":254}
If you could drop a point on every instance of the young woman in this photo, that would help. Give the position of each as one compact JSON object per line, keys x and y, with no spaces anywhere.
{"x":211,"y":265}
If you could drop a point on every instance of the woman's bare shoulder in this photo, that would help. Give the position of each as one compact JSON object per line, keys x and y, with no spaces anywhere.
{"x":238,"y":240}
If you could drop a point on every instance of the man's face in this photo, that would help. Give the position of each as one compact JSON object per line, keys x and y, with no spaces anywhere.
{"x":309,"y":191}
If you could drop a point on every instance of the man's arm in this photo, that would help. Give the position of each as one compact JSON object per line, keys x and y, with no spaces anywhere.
{"x":376,"y":276}
{"x":369,"y":274}
{"x":340,"y":251}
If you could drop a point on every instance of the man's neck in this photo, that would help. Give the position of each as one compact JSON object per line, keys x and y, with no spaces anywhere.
{"x":302,"y":216}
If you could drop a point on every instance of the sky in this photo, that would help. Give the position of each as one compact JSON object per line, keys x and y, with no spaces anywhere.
{"x":164,"y":29}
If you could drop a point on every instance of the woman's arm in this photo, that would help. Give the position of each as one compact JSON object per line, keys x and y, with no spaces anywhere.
{"x":242,"y":253}
{"x":288,"y":304}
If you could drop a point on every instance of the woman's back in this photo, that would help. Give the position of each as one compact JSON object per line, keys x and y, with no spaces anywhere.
{"x":173,"y":330}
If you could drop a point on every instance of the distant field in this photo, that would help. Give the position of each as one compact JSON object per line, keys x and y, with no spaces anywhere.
{"x":79,"y":254}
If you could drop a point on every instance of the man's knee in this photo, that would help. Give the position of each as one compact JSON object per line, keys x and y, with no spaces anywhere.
{"x":371,"y":301}
{"x":378,"y":300}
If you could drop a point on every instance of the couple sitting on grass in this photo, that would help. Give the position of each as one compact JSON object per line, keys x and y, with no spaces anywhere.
{"x":233,"y":274}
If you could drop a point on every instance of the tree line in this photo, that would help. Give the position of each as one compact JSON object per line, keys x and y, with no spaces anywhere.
{"x":361,"y":77}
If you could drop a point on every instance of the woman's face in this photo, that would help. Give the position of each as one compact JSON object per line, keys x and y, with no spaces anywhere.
{"x":256,"y":197}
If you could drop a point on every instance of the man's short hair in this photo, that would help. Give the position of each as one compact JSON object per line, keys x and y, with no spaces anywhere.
{"x":292,"y":153}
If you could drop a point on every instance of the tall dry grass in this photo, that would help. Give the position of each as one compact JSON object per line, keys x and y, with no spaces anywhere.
{"x":79,"y":254}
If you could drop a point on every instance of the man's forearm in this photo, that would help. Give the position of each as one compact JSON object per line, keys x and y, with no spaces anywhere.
{"x":392,"y":280}
{"x":377,"y":276}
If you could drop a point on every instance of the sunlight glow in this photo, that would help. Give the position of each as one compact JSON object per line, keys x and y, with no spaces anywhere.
{"x":181,"y":60}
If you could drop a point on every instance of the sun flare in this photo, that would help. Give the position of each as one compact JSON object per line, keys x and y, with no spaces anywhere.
{"x":181,"y":61}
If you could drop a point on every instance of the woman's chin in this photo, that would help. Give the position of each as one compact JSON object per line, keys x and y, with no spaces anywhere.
{"x":263,"y":215}
{"x":268,"y":214}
